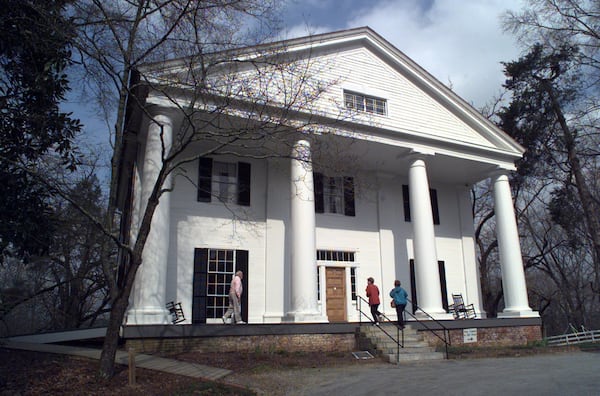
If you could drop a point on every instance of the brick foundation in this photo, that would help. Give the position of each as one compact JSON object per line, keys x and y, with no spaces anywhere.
{"x":263,"y":343}
{"x":491,"y":336}
{"x":316,"y":337}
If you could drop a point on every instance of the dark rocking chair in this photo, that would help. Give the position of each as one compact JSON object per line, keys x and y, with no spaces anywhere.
{"x":176,"y":312}
{"x":460,"y":310}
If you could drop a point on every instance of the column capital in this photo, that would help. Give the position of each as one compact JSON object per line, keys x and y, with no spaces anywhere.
{"x":169,"y":114}
{"x":420,"y":154}
{"x":498,"y":172}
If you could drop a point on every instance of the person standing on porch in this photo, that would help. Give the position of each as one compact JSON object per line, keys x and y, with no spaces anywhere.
{"x":235,"y":296}
{"x":399,"y":296}
{"x":373,"y":294}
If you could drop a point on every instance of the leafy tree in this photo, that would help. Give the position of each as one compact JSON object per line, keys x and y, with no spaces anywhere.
{"x":554,"y":89}
{"x":33,"y":59}
{"x":544,"y":90}
{"x":65,"y":287}
{"x":75,"y":258}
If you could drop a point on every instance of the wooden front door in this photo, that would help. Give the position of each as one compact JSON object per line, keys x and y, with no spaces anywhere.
{"x":336,"y":293}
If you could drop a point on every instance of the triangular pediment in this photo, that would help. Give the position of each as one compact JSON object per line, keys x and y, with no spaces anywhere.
{"x":422,"y":114}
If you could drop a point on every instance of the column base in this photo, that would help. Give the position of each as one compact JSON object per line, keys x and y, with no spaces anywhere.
{"x":305,"y":317}
{"x":272,"y":317}
{"x":147,"y":316}
{"x":519,"y":313}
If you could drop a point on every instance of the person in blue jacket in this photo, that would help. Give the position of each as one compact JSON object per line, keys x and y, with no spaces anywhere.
{"x":399,"y":297}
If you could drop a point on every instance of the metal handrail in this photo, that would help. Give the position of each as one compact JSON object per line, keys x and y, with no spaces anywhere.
{"x":399,"y":344}
{"x":446,"y":339}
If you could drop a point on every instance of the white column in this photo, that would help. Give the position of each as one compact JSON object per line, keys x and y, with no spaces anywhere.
{"x":304,"y":307}
{"x":472,"y":279}
{"x":513,"y":275}
{"x":426,"y":266}
{"x":277,"y":210}
{"x":148,"y":297}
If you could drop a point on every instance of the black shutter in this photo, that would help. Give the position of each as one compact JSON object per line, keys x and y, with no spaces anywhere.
{"x":243,"y":197}
{"x":241,"y":264}
{"x":406,"y":200}
{"x":443,"y":287}
{"x":434,"y":206}
{"x":199,"y":286}
{"x":413,"y":286}
{"x":204,"y":179}
{"x":349,"y":196}
{"x":318,"y":182}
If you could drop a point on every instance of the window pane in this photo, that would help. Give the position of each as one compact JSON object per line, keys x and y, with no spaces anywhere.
{"x":220,"y":272}
{"x":333,"y":194}
{"x":224,"y":181}
{"x":353,"y":282}
{"x":318,"y":286}
{"x":370,"y":105}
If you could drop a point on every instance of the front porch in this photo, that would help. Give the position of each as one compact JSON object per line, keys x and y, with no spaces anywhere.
{"x":314,"y":337}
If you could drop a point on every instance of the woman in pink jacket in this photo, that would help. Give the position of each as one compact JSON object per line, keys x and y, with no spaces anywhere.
{"x":235,"y":296}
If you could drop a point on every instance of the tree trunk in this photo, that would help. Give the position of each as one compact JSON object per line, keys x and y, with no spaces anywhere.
{"x":111,"y":340}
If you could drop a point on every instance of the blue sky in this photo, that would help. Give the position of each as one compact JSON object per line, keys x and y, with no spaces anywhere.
{"x":460,"y":42}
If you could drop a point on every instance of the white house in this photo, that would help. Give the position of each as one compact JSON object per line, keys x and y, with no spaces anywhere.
{"x":374,"y":181}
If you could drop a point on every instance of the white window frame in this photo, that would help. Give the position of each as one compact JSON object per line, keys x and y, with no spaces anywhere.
{"x":365,"y":103}
{"x":337,"y":258}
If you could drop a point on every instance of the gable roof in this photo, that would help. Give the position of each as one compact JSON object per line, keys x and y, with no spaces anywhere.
{"x":365,"y":37}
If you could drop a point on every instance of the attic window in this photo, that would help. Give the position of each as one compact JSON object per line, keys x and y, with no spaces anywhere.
{"x":370,"y":104}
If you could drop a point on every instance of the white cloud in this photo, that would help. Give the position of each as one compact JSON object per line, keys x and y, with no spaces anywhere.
{"x":460,"y":42}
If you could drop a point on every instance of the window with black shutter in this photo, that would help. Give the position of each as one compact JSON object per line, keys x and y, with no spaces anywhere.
{"x":213,"y":271}
{"x":434,"y":204}
{"x":413,"y":285}
{"x":334,"y":194}
{"x":224,"y":182}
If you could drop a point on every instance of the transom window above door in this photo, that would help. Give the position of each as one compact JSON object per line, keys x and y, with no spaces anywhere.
{"x":338,"y":256}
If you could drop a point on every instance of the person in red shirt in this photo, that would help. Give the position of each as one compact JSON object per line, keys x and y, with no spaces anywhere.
{"x":373,"y":294}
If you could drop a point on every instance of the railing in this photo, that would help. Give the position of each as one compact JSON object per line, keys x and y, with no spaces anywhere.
{"x":445,"y":339}
{"x":400,"y":344}
{"x":397,"y":340}
{"x":578,"y":337}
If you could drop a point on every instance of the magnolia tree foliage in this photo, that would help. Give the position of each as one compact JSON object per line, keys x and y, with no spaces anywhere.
{"x":34,"y":56}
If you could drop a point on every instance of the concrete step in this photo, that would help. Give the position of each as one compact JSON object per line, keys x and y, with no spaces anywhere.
{"x":406,"y":337}
{"x":412,"y":357}
{"x":415,"y":347}
{"x":388,"y":328}
{"x":393,"y":345}
{"x":416,"y":338}
{"x":387,"y":349}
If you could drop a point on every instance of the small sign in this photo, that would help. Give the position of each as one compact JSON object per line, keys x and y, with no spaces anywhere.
{"x":469,"y":335}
